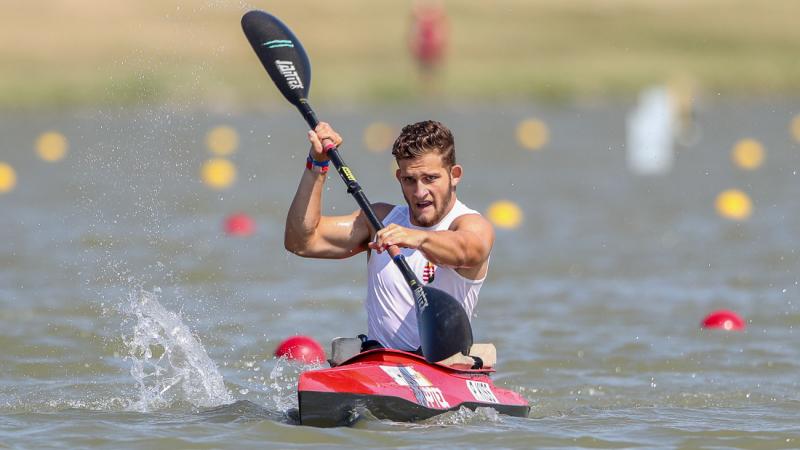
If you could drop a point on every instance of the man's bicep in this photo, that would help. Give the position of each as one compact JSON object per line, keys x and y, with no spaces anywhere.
{"x":477,"y":233}
{"x":341,"y":236}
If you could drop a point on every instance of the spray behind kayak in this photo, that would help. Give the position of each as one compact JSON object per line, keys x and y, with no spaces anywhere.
{"x":168,"y":363}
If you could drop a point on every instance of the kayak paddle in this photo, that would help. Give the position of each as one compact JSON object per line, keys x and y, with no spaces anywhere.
{"x":444,"y":327}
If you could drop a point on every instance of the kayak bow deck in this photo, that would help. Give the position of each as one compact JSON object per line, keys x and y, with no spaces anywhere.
{"x":398,"y":386}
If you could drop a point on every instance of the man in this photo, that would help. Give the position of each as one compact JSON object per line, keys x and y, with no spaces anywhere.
{"x":444,"y":242}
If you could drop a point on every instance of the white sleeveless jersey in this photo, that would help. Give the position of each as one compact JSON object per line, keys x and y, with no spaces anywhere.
{"x":391,"y":317}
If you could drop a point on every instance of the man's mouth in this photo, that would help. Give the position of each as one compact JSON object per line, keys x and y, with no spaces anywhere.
{"x":423,"y":205}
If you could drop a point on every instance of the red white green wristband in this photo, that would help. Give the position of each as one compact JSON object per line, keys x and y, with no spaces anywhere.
{"x":311,"y":163}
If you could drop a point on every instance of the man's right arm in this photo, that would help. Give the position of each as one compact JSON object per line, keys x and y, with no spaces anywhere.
{"x":310,"y":234}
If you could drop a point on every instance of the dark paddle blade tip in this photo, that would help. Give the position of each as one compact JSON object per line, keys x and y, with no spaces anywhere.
{"x":444,"y":326}
{"x":281,"y":54}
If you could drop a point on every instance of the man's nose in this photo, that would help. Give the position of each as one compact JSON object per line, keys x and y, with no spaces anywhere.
{"x":420,"y":191}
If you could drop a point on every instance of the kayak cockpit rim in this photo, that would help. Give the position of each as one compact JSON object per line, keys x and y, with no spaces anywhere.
{"x":389,"y":355}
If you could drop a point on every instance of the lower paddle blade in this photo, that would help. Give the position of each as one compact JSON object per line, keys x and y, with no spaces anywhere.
{"x":444,"y":327}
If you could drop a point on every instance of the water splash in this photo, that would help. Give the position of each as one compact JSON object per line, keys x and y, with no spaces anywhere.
{"x":283,"y":384}
{"x":466,"y":416}
{"x":169,"y":363}
{"x":279,"y":386}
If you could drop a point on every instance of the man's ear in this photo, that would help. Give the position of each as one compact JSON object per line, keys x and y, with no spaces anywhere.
{"x":397,"y":174}
{"x":455,"y":173}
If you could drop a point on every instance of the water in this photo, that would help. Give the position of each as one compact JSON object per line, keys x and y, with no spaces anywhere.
{"x":165,"y":358}
{"x":129,"y":320}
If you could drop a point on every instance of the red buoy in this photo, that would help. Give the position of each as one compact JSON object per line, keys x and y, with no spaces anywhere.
{"x":301,"y":348}
{"x":725,"y":320}
{"x":239,"y":225}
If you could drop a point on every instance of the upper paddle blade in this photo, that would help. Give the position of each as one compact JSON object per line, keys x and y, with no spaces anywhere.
{"x":281,"y":54}
{"x":444,"y":327}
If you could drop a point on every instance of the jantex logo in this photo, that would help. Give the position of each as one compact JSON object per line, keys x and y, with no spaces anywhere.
{"x":289,"y":72}
{"x":421,"y":299}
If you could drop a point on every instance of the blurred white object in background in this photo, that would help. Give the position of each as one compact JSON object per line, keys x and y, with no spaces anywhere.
{"x":651,"y":132}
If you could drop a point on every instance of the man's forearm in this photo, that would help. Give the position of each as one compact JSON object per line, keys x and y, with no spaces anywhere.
{"x":451,"y":249}
{"x":305,"y":211}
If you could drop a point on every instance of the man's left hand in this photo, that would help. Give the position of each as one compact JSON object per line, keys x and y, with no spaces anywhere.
{"x":396,"y":235}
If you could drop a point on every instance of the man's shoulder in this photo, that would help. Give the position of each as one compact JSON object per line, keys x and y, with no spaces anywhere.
{"x":472,"y":220}
{"x":462,"y":209}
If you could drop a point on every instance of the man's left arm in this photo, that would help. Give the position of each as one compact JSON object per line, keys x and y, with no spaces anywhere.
{"x":464,"y":247}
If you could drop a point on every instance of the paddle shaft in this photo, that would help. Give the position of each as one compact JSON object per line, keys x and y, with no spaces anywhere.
{"x":354,"y":189}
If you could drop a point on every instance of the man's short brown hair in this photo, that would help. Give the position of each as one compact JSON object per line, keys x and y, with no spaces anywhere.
{"x":424,"y":137}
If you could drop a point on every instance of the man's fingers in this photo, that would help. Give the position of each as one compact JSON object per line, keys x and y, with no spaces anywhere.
{"x":334,"y":140}
{"x":377,"y":247}
{"x":327,"y":136}
{"x":386,"y":237}
{"x":315,"y":141}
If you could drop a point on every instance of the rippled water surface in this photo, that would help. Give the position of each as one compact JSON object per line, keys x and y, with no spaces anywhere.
{"x":129,"y":320}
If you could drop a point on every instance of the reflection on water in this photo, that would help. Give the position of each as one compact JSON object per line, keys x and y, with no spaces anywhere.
{"x":594,"y":297}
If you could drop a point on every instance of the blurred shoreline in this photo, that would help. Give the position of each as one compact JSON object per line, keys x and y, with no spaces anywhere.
{"x":87,"y":53}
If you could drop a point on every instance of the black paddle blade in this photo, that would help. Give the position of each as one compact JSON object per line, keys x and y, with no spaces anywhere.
{"x":444,"y":327}
{"x":281,"y":54}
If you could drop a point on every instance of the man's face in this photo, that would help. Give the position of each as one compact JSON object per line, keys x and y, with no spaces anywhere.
{"x":428,"y":187}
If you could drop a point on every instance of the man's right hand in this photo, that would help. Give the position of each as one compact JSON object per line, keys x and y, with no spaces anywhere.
{"x":319,"y":137}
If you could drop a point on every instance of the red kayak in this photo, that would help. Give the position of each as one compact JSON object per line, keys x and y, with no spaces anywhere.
{"x":399,"y":386}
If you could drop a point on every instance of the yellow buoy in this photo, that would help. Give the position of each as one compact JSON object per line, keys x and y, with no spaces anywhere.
{"x":51,"y":146}
{"x":532,"y":134}
{"x":734,"y":204}
{"x":8,"y":178}
{"x":222,"y":140}
{"x":379,"y":137}
{"x":748,"y":154}
{"x":218,"y":173}
{"x":795,"y":128}
{"x":505,"y":214}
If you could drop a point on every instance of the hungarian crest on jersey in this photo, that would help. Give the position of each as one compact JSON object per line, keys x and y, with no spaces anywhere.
{"x":428,"y":273}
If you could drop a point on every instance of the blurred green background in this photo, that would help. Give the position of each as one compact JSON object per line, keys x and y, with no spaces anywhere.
{"x":79,"y":53}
